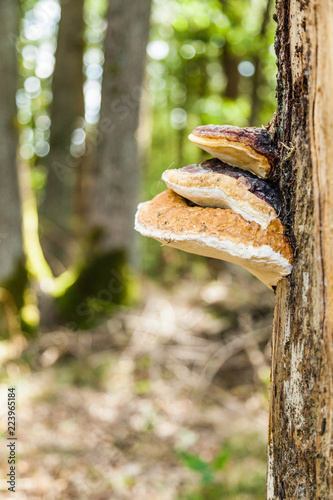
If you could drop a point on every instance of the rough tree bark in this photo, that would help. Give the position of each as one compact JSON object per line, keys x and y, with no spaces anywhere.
{"x":301,"y":406}
{"x":56,"y":210}
{"x":12,"y":260}
{"x":114,"y":191}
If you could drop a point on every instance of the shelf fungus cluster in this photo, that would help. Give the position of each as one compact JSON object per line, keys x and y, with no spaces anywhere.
{"x":223,"y":208}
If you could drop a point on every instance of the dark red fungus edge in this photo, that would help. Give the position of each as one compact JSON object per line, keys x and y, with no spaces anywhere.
{"x":257,"y":138}
{"x":260,"y":188}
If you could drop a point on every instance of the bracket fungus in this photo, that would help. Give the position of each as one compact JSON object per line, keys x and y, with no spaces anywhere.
{"x":246,"y":148}
{"x":224,"y":211}
{"x":218,"y":233}
{"x":216,"y":184}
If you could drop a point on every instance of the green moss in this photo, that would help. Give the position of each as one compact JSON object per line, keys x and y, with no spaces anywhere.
{"x":103,"y":283}
{"x":30,"y":329}
{"x":17,"y":283}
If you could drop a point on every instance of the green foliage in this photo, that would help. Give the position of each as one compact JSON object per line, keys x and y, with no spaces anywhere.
{"x":237,"y":472}
{"x":94,"y":8}
{"x":222,"y":459}
{"x":16,"y":287}
{"x":194,"y":49}
{"x":210,"y":488}
{"x":208,"y":62}
{"x":83,"y":374}
{"x":142,"y":387}
{"x":16,"y":284}
{"x":196,"y":464}
{"x":102,"y":283}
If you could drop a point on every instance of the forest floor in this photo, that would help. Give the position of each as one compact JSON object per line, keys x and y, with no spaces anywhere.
{"x":164,"y":401}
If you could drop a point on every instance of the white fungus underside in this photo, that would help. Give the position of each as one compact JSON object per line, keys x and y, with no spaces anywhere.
{"x":263,"y":262}
{"x":216,"y":198}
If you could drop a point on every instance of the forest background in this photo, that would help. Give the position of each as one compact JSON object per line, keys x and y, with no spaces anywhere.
{"x":168,"y":351}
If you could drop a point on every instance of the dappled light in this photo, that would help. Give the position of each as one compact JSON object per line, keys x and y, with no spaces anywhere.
{"x":151,"y":383}
{"x":140,"y":371}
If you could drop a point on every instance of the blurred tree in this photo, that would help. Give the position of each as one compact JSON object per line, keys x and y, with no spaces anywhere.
{"x":229,"y":57}
{"x":13,"y":274}
{"x":63,"y":161}
{"x":258,"y":78}
{"x":115,"y":178}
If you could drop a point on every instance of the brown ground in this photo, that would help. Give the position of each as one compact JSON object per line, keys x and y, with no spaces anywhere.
{"x":103,"y":414}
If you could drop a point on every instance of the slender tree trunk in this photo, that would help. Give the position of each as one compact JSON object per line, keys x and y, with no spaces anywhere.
{"x":12,"y":259}
{"x":113,"y":181}
{"x":230,"y":67}
{"x":301,"y":406}
{"x":113,"y":196}
{"x":229,"y":59}
{"x":67,"y":111}
{"x":258,"y":77}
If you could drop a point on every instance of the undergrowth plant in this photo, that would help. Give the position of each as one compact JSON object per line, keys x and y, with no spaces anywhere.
{"x":236,"y":473}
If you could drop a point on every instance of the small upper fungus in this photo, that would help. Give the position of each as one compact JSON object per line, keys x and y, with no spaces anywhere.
{"x":246,"y":148}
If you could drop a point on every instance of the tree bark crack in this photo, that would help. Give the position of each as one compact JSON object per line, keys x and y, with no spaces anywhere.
{"x":316,"y":155}
{"x":301,"y":391}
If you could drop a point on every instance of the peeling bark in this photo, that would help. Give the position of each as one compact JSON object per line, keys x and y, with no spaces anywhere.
{"x":301,"y":406}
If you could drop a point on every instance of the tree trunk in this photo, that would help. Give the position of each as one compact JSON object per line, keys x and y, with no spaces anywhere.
{"x":67,"y":112}
{"x":113,"y":181}
{"x":230,"y":67}
{"x":258,"y":77}
{"x":301,"y":406}
{"x":12,"y":260}
{"x":114,"y":192}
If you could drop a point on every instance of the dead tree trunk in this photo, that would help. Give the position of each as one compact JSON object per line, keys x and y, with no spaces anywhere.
{"x":301,"y":406}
